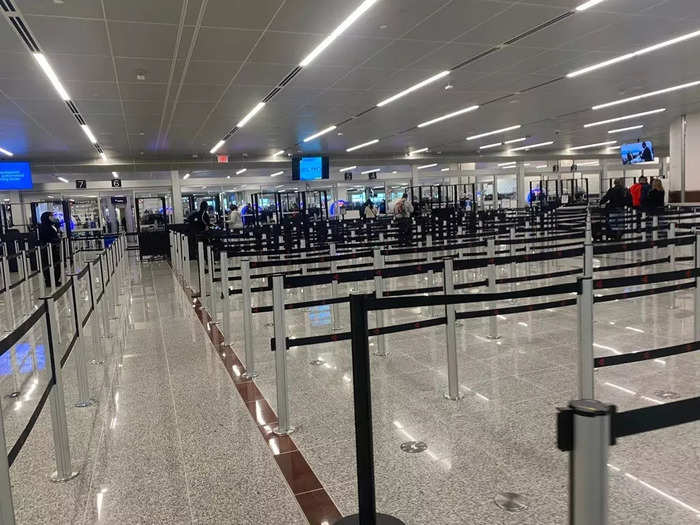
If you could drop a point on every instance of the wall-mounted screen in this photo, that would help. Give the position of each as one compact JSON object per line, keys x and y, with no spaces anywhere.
{"x":309,"y":168}
{"x":15,"y":176}
{"x":637,"y":152}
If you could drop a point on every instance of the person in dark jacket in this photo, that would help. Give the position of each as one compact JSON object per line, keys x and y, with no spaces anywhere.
{"x":48,"y":234}
{"x":617,"y":199}
{"x":656,"y":198}
{"x":200,"y":221}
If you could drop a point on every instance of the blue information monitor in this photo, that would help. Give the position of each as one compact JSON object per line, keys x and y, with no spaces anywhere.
{"x":15,"y":176}
{"x":309,"y":168}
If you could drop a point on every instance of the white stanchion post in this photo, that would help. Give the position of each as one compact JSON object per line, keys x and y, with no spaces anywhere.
{"x":201,"y":265}
{"x":429,"y":244}
{"x":40,"y":266}
{"x":226,"y":310}
{"x":672,"y":245}
{"x":250,"y":372}
{"x":52,"y":269}
{"x":8,"y":292}
{"x":283,"y":426}
{"x":453,"y":393}
{"x":589,"y":463}
{"x":513,"y":269}
{"x":173,"y":257}
{"x":64,"y":470}
{"x":644,"y":226}
{"x":335,"y":307}
{"x":585,"y":321}
{"x":379,"y":293}
{"x":493,"y":320}
{"x":188,"y":269}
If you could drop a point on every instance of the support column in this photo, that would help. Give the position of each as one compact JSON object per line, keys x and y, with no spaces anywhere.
{"x":178,"y":216}
{"x":520,"y":185}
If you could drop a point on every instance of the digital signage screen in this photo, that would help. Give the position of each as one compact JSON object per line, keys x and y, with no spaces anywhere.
{"x":309,"y":168}
{"x":15,"y":176}
{"x":637,"y":152}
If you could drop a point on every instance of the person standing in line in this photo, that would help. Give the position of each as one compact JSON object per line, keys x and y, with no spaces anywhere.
{"x":49,"y":234}
{"x":639,"y":192}
{"x":370,"y":211}
{"x":617,"y":199}
{"x":656,"y":198}
{"x":235,"y":221}
{"x":403,"y":209}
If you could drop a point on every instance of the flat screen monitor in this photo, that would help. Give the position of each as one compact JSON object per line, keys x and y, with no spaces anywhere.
{"x":637,"y":152}
{"x":309,"y":168}
{"x":15,"y":176}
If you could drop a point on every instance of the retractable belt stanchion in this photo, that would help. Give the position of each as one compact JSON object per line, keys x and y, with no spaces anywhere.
{"x":188,"y":269}
{"x":8,"y":291}
{"x":250,"y":372}
{"x":379,"y":293}
{"x":7,"y":510}
{"x":585,"y":320}
{"x":655,"y":235}
{"x":697,"y":286}
{"x":200,"y":265}
{"x":283,"y":426}
{"x":493,"y":320}
{"x":40,"y":266}
{"x":451,"y":334}
{"x":335,"y":307}
{"x":223,"y":264}
{"x":64,"y":470}
{"x":84,"y":399}
{"x":589,"y":463}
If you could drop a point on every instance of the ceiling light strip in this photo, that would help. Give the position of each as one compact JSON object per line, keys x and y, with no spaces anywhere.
{"x":626,"y":117}
{"x":277,"y":174}
{"x":620,"y":130}
{"x":413,"y":88}
{"x":495,"y":132}
{"x":243,"y":170}
{"x":6,"y":152}
{"x":217,"y":146}
{"x":426,"y":166}
{"x":417,"y":151}
{"x":532,"y":146}
{"x":589,"y":4}
{"x":319,"y":134}
{"x":51,"y":74}
{"x":363,"y":145}
{"x":489,"y":146}
{"x":596,"y":145}
{"x":634,"y":54}
{"x":349,"y":168}
{"x":251,"y":114}
{"x":515,"y":141}
{"x":278,"y":153}
{"x":646,"y":95}
{"x":375,"y":170}
{"x":448,"y":116}
{"x":65,"y":181}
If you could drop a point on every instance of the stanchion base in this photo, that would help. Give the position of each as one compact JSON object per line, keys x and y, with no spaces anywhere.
{"x":381,"y":519}
{"x":493,"y":337}
{"x":85,"y":404}
{"x":56,"y":479}
{"x":379,"y":354}
{"x":279,"y":432}
{"x":13,"y":395}
{"x":249,"y":375}
{"x":455,"y":398}
{"x":96,"y":362}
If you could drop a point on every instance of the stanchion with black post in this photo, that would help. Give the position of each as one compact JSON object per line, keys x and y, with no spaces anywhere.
{"x":362,"y":395}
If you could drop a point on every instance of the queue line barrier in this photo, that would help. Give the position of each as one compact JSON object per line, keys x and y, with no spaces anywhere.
{"x":84,"y":291}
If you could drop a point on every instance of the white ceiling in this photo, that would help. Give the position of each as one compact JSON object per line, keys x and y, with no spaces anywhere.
{"x":208,"y":62}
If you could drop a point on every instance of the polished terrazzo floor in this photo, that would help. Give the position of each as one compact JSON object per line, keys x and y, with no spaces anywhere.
{"x":170,"y":440}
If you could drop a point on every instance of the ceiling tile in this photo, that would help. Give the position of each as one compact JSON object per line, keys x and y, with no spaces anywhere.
{"x":143,"y":91}
{"x":242,"y":14}
{"x":73,"y":8}
{"x":131,"y":39}
{"x":81,"y":68}
{"x":224,"y":44}
{"x":211,"y":72}
{"x":160,"y":11}
{"x":69,"y":35}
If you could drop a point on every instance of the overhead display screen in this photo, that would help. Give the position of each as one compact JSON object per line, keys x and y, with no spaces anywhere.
{"x":309,"y":168}
{"x":15,"y":176}
{"x":638,"y":152}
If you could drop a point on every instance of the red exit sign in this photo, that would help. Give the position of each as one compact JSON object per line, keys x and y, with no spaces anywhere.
{"x":222,"y":159}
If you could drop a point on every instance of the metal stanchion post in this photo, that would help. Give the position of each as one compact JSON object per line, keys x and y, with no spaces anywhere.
{"x":697,"y":286}
{"x":335,"y":307}
{"x":223,"y":264}
{"x":84,"y":399}
{"x":589,"y":463}
{"x":250,"y":372}
{"x":493,"y":320}
{"x":429,"y":244}
{"x":8,"y":292}
{"x":585,"y":321}
{"x":672,"y":245}
{"x":202,"y":282}
{"x":64,"y":470}
{"x":379,"y":293}
{"x":283,"y":426}
{"x":188,"y":269}
{"x":7,"y":511}
{"x":52,"y":270}
{"x":655,"y":235}
{"x":451,"y":334}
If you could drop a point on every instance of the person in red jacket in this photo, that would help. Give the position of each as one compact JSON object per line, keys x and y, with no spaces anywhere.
{"x":639,"y":192}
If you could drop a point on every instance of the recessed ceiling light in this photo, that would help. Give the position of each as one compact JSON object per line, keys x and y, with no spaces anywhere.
{"x":51,"y":74}
{"x":495,"y":132}
{"x":277,"y":174}
{"x":345,"y":24}
{"x":103,"y":156}
{"x":514,"y":141}
{"x":426,"y":166}
{"x":394,"y":171}
{"x":62,"y":180}
{"x":141,"y":75}
{"x":228,"y":176}
{"x":615,"y":147}
{"x":88,"y":132}
{"x":596,"y":145}
{"x":489,"y":146}
{"x":626,"y":117}
{"x":242,"y":170}
{"x":445,"y":169}
{"x":512,"y":163}
{"x":320,"y":133}
{"x":647,"y":95}
{"x":413,"y":88}
{"x":620,"y":130}
{"x":363,"y":145}
{"x":540,"y":166}
{"x":217,"y":146}
{"x":634,"y":54}
{"x":6,"y":152}
{"x":278,"y":153}
{"x":115,"y":174}
{"x":251,"y":114}
{"x":449,"y":115}
{"x":375,"y":170}
{"x":187,"y":176}
{"x":448,"y":87}
{"x":349,"y":168}
{"x":417,"y":151}
{"x":383,"y":26}
{"x":588,"y":4}
{"x":532,"y":146}
{"x":588,"y":163}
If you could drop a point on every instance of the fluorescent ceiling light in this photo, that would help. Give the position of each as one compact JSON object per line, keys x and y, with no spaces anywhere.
{"x":277,"y":174}
{"x":278,"y":153}
{"x":48,"y":70}
{"x":514,"y":141}
{"x":417,"y":151}
{"x":507,"y":164}
{"x":62,"y":179}
{"x":243,"y":170}
{"x":88,"y":132}
{"x":363,"y":145}
{"x":413,"y":88}
{"x":647,"y":95}
{"x":495,"y":132}
{"x":426,"y":166}
{"x":531,"y":146}
{"x":494,"y":145}
{"x":449,"y":115}
{"x":588,"y":163}
{"x":634,"y":54}
{"x":615,"y":147}
{"x":187,"y":176}
{"x":103,"y":156}
{"x":626,"y":117}
{"x":218,"y":145}
{"x":540,"y":166}
{"x":375,"y":170}
{"x":341,"y":170}
{"x":115,"y":174}
{"x":251,"y":114}
{"x":596,"y":145}
{"x":357,"y":13}
{"x":445,"y":169}
{"x":322,"y":132}
{"x":588,"y":4}
{"x":6,"y":152}
{"x":620,"y":130}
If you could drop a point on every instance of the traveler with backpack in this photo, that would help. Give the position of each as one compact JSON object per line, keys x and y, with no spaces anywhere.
{"x":403,"y":209}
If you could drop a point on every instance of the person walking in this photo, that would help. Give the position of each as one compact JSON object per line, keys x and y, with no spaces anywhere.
{"x":49,"y":235}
